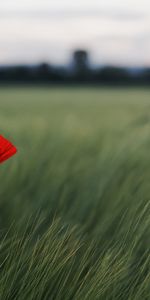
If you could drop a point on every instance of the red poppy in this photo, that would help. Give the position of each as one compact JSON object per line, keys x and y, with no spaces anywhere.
{"x":7,"y":149}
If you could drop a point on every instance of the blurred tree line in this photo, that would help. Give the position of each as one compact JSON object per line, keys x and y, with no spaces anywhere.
{"x":79,"y":71}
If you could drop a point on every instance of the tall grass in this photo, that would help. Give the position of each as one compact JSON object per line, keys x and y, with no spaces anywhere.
{"x":74,"y":202}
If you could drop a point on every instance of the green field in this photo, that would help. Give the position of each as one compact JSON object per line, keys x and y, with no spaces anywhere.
{"x":75,"y":200}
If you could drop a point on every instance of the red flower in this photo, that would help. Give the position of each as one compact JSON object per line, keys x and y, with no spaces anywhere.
{"x":7,"y":149}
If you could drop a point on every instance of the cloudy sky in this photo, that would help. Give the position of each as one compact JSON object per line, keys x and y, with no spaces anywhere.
{"x":114,"y":31}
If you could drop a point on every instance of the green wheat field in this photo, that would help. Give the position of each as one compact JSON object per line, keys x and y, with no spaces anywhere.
{"x":75,"y":200}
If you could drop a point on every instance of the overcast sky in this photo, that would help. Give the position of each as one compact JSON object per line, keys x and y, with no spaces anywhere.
{"x":114,"y":31}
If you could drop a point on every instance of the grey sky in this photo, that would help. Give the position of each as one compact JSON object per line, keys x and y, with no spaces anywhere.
{"x":43,"y":30}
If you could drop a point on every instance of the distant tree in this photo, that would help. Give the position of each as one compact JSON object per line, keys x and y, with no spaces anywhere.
{"x":43,"y":72}
{"x":146,"y":75}
{"x":20,"y":73}
{"x":112,"y":75}
{"x":47,"y":73}
{"x":81,"y":64}
{"x":15,"y":73}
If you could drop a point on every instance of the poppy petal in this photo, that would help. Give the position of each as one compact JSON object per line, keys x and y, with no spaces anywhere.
{"x":7,"y":149}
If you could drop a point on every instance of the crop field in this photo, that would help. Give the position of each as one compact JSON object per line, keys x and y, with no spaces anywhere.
{"x":75,"y":200}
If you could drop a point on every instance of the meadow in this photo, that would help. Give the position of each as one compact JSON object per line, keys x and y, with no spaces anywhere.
{"x":75,"y":200}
